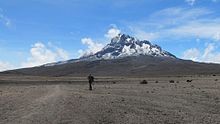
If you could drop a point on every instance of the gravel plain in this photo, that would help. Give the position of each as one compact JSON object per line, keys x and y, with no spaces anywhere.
{"x":67,"y":100}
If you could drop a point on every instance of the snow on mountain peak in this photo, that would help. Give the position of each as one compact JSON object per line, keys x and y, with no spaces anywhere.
{"x":122,"y":38}
{"x":120,"y":46}
{"x":124,"y":45}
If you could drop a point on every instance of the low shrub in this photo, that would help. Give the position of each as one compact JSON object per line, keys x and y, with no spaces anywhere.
{"x":172,"y":81}
{"x":143,"y":82}
{"x":188,"y":80}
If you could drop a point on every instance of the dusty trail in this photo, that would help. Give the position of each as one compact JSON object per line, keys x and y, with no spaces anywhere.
{"x":45,"y":105}
{"x":54,"y":104}
{"x":124,"y":103}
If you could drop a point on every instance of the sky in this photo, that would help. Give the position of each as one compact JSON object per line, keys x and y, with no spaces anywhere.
{"x":36,"y":32}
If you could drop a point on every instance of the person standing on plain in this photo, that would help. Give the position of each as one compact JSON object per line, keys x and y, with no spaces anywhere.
{"x":91,"y":79}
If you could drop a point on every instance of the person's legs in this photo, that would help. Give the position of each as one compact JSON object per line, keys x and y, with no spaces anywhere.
{"x":90,"y":85}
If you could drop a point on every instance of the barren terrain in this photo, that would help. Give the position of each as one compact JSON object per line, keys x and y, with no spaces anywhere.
{"x":118,"y":100}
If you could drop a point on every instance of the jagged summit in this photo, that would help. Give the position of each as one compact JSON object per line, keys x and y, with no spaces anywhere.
{"x":124,"y":45}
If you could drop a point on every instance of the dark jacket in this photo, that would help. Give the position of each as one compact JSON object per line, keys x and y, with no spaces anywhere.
{"x":91,"y":79}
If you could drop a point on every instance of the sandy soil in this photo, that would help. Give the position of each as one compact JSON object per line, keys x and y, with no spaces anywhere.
{"x":122,"y":102}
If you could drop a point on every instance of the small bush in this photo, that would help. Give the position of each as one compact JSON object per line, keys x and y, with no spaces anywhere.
{"x":188,"y":80}
{"x":114,"y":82}
{"x":156,"y":82}
{"x":216,"y":79}
{"x":143,"y":82}
{"x":172,"y":81}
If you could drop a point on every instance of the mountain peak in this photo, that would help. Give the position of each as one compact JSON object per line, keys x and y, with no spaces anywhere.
{"x":124,"y":45}
{"x":120,"y":38}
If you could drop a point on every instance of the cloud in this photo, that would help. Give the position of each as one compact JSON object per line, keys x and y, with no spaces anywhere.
{"x":178,"y":15}
{"x":142,"y":35}
{"x":209,"y":54}
{"x":178,"y":23}
{"x":5,"y":66}
{"x":217,"y":36}
{"x":4,"y":19}
{"x":112,"y":32}
{"x":190,"y":2}
{"x":92,"y":47}
{"x":215,"y":1}
{"x":199,"y":29}
{"x":62,"y":54}
{"x":41,"y":54}
{"x":191,"y":54}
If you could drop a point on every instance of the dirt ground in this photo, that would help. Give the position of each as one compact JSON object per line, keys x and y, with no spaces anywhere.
{"x":66,"y":100}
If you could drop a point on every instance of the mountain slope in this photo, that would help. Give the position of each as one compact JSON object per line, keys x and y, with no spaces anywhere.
{"x":134,"y":66}
{"x":123,"y":56}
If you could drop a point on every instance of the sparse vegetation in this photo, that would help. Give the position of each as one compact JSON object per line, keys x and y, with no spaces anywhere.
{"x":128,"y":92}
{"x":172,"y":81}
{"x":188,"y":80}
{"x":143,"y":82}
